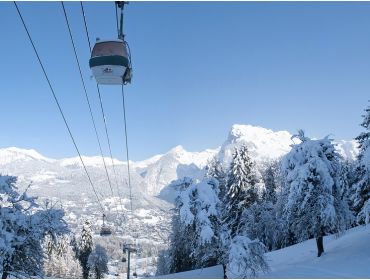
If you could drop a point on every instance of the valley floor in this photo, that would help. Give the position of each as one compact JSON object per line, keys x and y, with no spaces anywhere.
{"x":346,"y":256}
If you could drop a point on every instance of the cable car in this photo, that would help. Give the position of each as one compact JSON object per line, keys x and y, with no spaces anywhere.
{"x":110,"y":62}
{"x":105,"y":230}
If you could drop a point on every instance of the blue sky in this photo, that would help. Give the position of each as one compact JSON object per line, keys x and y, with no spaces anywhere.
{"x":199,"y":67}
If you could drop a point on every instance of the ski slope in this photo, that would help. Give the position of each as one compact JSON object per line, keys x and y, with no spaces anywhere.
{"x":346,"y":256}
{"x":213,"y":272}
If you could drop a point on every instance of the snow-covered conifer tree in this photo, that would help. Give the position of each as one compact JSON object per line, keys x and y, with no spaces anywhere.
{"x":342,"y":197}
{"x":180,"y":246}
{"x":176,"y":258}
{"x":195,"y":237}
{"x":85,"y":248}
{"x":163,"y":264}
{"x":175,"y":187}
{"x":214,"y":169}
{"x":260,"y":222}
{"x":241,"y":188}
{"x":61,"y":261}
{"x":270,"y":181}
{"x":362,"y":184}
{"x":199,"y":211}
{"x":245,"y":258}
{"x":312,"y":209}
{"x":98,"y":261}
{"x":23,"y":226}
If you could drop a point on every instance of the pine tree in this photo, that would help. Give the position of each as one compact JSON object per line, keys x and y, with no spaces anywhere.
{"x":195,"y":239}
{"x":262,"y":224}
{"x":74,"y":245}
{"x":342,"y":196}
{"x":23,"y":226}
{"x":181,"y":248}
{"x":215,"y":170}
{"x":364,"y":138}
{"x":347,"y":179}
{"x":85,"y":248}
{"x":241,"y":189}
{"x":61,"y":261}
{"x":270,"y":181}
{"x":163,"y":264}
{"x":206,"y":223}
{"x":180,"y":238}
{"x":246,"y":258}
{"x":284,"y":236}
{"x":98,"y":261}
{"x":362,"y":184}
{"x":313,"y":206}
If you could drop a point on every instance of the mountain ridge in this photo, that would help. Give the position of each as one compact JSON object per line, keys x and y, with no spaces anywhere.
{"x":65,"y":180}
{"x":156,"y":172}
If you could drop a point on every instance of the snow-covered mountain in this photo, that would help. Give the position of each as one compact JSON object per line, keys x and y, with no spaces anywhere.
{"x":13,"y":154}
{"x":263,"y":144}
{"x":64,"y":179}
{"x":347,"y":149}
{"x":152,"y":175}
{"x":177,"y":163}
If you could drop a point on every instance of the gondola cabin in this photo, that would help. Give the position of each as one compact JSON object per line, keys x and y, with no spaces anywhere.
{"x":110,"y":62}
{"x":105,"y":231}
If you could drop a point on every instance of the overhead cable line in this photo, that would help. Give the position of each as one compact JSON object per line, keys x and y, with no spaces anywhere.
{"x":101,"y":104}
{"x":123,"y":105}
{"x":120,"y":34}
{"x":58,"y":105}
{"x":124,"y":113}
{"x":100,"y":99}
{"x":106,"y":132}
{"x":87,"y":97}
{"x":115,"y":5}
{"x":127,"y":150}
{"x":87,"y":31}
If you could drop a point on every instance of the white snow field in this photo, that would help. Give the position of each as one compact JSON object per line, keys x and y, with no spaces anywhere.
{"x":346,"y":256}
{"x":213,"y":272}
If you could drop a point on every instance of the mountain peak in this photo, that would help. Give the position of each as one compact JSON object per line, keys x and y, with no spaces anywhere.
{"x":13,"y":153}
{"x":177,"y":150}
{"x":253,"y":132}
{"x":263,"y":144}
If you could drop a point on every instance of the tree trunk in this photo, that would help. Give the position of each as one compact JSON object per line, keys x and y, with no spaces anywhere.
{"x":5,"y":270}
{"x":320,"y":245}
{"x":97,"y":273}
{"x":85,"y":273}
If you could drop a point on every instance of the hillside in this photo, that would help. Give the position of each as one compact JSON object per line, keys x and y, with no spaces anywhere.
{"x":346,"y":256}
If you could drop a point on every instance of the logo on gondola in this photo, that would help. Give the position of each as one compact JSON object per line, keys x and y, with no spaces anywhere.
{"x":108,"y":70}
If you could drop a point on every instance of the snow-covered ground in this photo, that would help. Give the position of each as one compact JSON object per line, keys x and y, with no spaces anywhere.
{"x":346,"y":256}
{"x":214,"y":272}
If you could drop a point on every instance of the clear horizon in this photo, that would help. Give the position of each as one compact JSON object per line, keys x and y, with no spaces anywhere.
{"x":199,"y":68}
